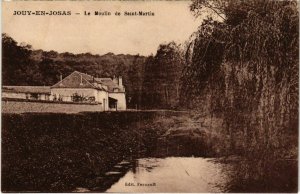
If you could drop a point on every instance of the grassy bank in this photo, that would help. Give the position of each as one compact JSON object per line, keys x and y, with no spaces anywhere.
{"x":58,"y":152}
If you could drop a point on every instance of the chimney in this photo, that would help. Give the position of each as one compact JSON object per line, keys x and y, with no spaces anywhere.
{"x":60,"y":77}
{"x":120,"y":82}
{"x":81,"y":80}
{"x":115,"y":80}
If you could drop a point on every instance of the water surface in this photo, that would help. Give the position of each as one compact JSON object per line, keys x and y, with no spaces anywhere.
{"x":172,"y":174}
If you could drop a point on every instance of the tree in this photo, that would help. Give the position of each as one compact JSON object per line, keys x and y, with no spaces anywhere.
{"x":243,"y":69}
{"x":161,"y":85}
{"x":15,"y":60}
{"x":246,"y":67}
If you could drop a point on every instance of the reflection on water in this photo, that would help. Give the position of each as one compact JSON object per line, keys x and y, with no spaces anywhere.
{"x":196,"y":174}
{"x":172,"y":174}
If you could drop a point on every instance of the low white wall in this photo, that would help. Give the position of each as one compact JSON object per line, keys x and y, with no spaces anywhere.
{"x":16,"y":95}
{"x":13,"y":95}
{"x":21,"y":107}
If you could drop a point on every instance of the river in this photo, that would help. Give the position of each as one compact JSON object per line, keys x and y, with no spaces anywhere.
{"x":172,"y":174}
{"x":196,"y":175}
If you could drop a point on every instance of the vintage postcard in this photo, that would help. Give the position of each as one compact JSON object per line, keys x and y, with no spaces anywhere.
{"x":194,"y":96}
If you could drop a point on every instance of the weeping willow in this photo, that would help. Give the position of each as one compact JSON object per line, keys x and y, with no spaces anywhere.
{"x":243,"y":67}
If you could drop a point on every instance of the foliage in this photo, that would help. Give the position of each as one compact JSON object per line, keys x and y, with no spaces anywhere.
{"x":161,"y":87}
{"x":15,"y":60}
{"x":246,"y":67}
{"x":242,"y":67}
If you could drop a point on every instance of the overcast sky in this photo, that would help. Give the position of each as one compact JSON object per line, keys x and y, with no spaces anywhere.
{"x":100,"y":34}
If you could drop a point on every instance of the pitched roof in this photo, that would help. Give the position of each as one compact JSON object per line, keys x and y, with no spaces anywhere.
{"x":110,"y":84}
{"x":82,"y":80}
{"x":78,"y":80}
{"x":27,"y":89}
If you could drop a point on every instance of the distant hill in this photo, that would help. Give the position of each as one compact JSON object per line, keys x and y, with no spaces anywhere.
{"x":98,"y":65}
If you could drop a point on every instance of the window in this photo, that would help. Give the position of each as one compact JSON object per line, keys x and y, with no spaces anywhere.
{"x":34,"y":96}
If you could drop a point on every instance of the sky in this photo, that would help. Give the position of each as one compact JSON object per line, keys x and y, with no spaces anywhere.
{"x":99,"y":34}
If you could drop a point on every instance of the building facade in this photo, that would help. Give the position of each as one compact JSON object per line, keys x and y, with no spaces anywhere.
{"x":81,"y":87}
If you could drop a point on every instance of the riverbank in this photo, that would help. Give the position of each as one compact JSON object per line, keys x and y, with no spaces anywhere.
{"x":53,"y":152}
{"x":57,"y":152}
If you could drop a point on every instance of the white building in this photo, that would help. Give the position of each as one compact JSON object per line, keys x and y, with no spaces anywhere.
{"x":78,"y":88}
{"x":81,"y":87}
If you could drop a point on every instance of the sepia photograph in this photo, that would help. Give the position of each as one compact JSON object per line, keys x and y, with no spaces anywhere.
{"x":149,"y":96}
